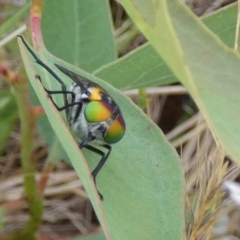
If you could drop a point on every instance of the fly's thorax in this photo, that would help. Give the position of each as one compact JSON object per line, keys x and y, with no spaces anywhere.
{"x":78,"y":91}
{"x":74,"y":98}
{"x":78,"y":124}
{"x":79,"y":99}
{"x":75,"y":117}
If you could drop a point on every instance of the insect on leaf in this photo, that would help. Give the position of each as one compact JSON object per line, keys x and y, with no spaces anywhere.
{"x":142,"y":178}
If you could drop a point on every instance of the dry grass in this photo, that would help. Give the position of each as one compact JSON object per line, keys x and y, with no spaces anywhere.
{"x":68,"y":210}
{"x":209,"y":213}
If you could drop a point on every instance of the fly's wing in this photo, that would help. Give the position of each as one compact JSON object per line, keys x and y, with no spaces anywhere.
{"x":79,"y":80}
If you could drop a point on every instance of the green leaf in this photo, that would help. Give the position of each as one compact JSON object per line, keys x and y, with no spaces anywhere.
{"x":142,"y":182}
{"x":208,"y":68}
{"x":79,"y":32}
{"x":140,"y":68}
{"x":48,"y":134}
{"x":223,"y":24}
{"x":56,"y":151}
{"x":143,"y":67}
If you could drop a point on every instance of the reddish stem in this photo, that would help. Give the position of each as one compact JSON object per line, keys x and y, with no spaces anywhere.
{"x":44,"y":177}
{"x":35,"y":23}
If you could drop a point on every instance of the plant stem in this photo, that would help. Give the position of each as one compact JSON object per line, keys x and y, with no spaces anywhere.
{"x":142,"y":98}
{"x":33,"y":197}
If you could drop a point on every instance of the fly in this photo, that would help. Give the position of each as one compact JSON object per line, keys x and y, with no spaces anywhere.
{"x":93,"y":116}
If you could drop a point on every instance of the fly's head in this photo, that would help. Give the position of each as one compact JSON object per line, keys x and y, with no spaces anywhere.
{"x":104,"y":117}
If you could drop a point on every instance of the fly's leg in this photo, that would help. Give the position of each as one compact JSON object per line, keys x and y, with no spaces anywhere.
{"x":67,"y":105}
{"x":64,"y":90}
{"x":100,"y":164}
{"x":40,"y":62}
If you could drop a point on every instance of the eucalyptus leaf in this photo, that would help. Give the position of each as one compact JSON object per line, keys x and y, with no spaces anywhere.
{"x":81,"y":32}
{"x":207,"y":67}
{"x":144,"y":67}
{"x":142,"y":181}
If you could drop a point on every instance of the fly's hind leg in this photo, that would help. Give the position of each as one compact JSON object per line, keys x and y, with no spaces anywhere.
{"x":100,"y":164}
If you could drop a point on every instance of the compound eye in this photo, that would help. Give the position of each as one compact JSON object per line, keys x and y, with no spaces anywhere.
{"x":97,"y":111}
{"x":115,"y":131}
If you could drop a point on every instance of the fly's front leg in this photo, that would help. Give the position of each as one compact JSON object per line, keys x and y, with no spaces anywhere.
{"x":50,"y":93}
